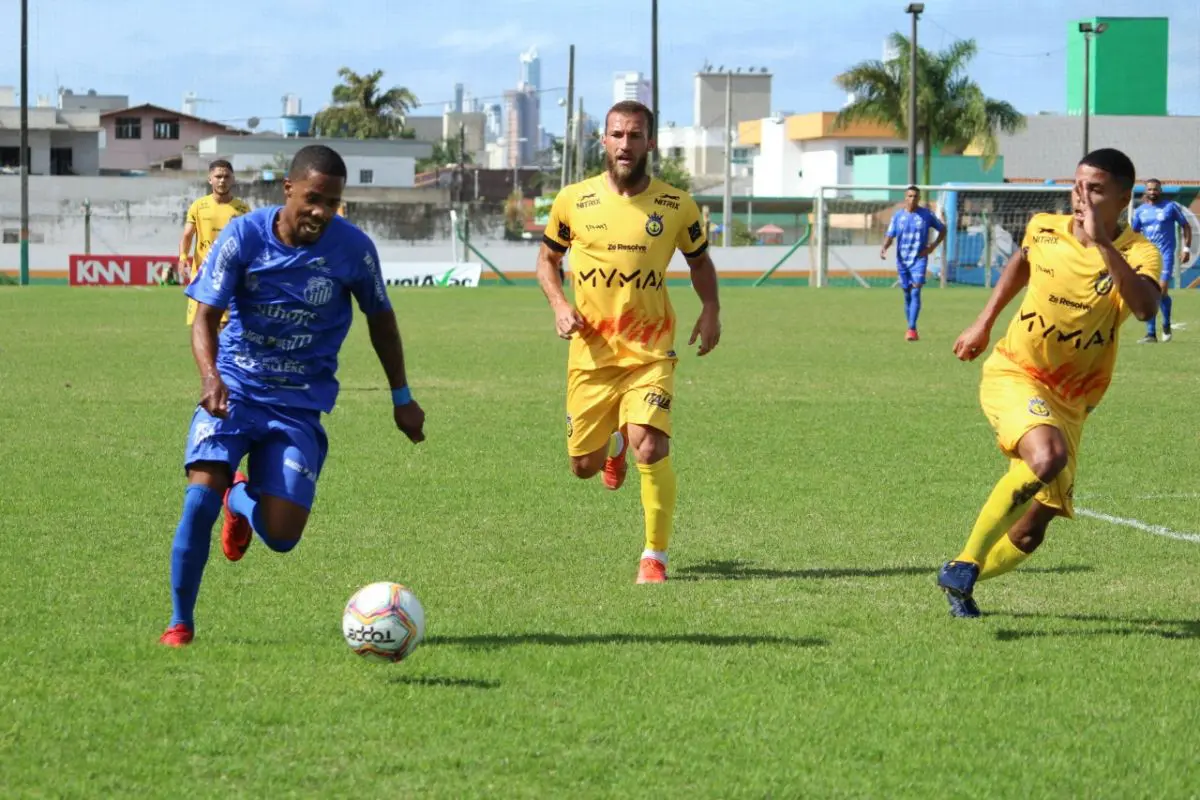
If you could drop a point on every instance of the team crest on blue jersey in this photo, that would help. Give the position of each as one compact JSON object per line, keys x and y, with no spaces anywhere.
{"x":318,"y":291}
{"x":1104,"y":284}
{"x":1038,"y":407}
{"x":654,"y":225}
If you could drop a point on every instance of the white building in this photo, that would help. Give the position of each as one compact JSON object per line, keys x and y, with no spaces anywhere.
{"x":60,"y":142}
{"x":702,"y":145}
{"x":632,"y":86}
{"x":796,"y":155}
{"x":91,"y":101}
{"x":389,"y":163}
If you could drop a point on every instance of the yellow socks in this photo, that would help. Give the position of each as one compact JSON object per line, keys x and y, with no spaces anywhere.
{"x":1009,"y":500}
{"x":658,"y":500}
{"x":1003,"y":557}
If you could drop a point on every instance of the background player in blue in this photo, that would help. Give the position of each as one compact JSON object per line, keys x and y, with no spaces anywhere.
{"x":910,"y":225}
{"x":1156,"y":219}
{"x":287,"y":275}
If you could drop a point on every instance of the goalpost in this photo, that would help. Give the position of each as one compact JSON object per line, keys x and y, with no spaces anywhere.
{"x":984,"y":225}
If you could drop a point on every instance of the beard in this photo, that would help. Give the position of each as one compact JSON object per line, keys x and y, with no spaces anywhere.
{"x":627,"y":177}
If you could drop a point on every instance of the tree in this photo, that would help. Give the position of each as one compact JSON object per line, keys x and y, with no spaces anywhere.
{"x":672,"y":170}
{"x":445,"y":153}
{"x":360,"y":110}
{"x":952,"y":111}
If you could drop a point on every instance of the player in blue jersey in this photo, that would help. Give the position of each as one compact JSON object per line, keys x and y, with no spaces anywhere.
{"x":910,"y":229}
{"x":1156,"y":219}
{"x":287,"y":274}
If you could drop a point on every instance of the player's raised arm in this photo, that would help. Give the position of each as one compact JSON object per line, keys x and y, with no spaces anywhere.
{"x":1186,"y":228}
{"x":1139,"y":291}
{"x":974,"y":340}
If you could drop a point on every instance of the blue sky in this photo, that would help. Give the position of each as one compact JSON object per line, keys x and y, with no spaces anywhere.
{"x":247,"y":57}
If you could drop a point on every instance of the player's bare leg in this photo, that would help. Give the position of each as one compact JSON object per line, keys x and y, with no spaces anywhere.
{"x":1022,"y":539}
{"x":651,"y":450}
{"x":1044,"y":454}
{"x":277,"y":521}
{"x":586,"y":466}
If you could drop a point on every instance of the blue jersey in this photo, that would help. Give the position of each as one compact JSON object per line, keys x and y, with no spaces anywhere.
{"x":1157,"y":223}
{"x":289,"y":307}
{"x":910,"y":229}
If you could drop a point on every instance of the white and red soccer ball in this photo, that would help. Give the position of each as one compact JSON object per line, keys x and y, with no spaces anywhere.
{"x":383,"y":621}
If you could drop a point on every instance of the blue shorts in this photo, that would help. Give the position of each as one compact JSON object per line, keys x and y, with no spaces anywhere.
{"x":912,"y":275}
{"x":286,"y":447}
{"x":1168,"y":270}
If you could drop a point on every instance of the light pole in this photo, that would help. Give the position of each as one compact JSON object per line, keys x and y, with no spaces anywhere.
{"x":1088,"y":30}
{"x":655,"y":165}
{"x":915,"y":10}
{"x":23,"y":278}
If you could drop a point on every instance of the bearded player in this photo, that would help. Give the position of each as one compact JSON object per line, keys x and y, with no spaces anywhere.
{"x":1084,"y":274}
{"x":1156,"y":218}
{"x":622,"y":228}
{"x":206,"y":218}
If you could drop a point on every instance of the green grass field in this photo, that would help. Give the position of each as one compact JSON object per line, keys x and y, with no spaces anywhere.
{"x":801,"y":649}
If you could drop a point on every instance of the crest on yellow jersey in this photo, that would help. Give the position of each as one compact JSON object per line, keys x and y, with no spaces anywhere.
{"x":1104,"y":284}
{"x":1038,"y":407}
{"x":654,"y":225}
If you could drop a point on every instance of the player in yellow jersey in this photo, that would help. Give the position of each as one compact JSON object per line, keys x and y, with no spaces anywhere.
{"x":205,"y":219}
{"x":622,"y":228}
{"x":1083,"y":274}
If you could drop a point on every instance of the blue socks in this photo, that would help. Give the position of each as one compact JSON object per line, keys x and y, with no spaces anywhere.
{"x":912,"y":306}
{"x":246,"y":504}
{"x":1166,"y":312}
{"x":189,"y":554}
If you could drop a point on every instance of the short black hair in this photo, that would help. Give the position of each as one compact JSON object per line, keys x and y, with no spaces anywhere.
{"x":1115,"y":163}
{"x":912,"y":189}
{"x":1153,"y":180}
{"x":218,"y":164}
{"x":632,"y":107}
{"x":316,"y":158}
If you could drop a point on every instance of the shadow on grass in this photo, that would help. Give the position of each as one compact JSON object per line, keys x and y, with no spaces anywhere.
{"x":450,"y":683}
{"x":487,"y":641}
{"x":745,"y":571}
{"x":1110,"y":626}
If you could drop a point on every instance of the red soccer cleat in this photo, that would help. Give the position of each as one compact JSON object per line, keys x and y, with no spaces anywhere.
{"x":236,"y":532}
{"x":911,"y":336}
{"x":616,"y":466}
{"x":651,"y":570}
{"x":178,"y":635}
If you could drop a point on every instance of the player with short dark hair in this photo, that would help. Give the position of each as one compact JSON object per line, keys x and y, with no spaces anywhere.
{"x":622,"y":228}
{"x":1084,"y":274}
{"x":206,"y":218}
{"x":910,"y":225}
{"x":1156,"y":219}
{"x":287,"y":274}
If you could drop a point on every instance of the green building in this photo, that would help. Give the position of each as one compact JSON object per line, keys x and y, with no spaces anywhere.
{"x":1127,"y":67}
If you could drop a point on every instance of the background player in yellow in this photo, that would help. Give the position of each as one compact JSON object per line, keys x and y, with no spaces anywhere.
{"x":622,"y":228}
{"x":206,"y":218}
{"x":1085,"y":274}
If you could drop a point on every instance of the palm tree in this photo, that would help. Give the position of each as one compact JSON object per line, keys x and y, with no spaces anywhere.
{"x":952,"y":111}
{"x":361,"y":111}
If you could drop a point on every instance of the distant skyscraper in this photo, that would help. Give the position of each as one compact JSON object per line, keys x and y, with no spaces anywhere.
{"x":631,"y":86}
{"x":531,"y":69}
{"x":493,"y":114}
{"x":458,"y":98}
{"x":521,"y":108}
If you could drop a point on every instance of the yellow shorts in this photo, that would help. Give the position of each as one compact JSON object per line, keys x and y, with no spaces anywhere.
{"x":193,"y":306}
{"x":1015,"y":404}
{"x":599,"y":401}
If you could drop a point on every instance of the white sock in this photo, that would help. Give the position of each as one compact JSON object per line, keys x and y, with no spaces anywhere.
{"x":616,"y":444}
{"x":658,"y":555}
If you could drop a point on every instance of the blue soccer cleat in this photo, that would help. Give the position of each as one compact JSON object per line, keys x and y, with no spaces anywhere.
{"x":957,"y":580}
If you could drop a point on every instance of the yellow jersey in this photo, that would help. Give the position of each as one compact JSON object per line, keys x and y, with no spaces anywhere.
{"x":620,"y":248}
{"x":209,"y":217}
{"x":1065,"y":333}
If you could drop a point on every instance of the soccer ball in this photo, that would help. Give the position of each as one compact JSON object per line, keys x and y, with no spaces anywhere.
{"x":384,"y":621}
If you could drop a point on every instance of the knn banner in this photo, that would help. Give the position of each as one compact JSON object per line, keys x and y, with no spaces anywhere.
{"x":444,"y":273}
{"x":113,"y":270}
